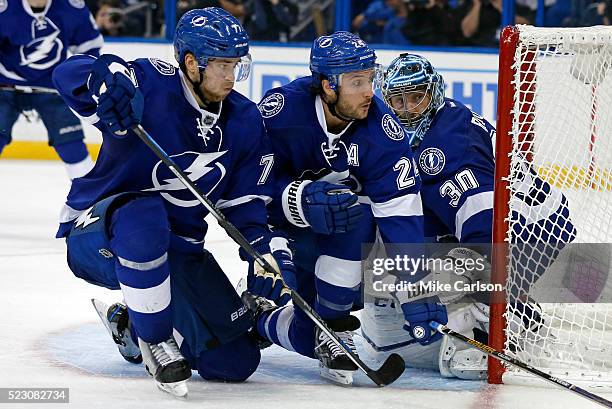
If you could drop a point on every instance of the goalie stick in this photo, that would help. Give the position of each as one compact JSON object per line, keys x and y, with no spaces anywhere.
{"x":443,"y":329}
{"x":394,"y":365}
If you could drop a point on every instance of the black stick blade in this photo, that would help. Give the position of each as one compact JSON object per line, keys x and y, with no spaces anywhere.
{"x":391,"y":369}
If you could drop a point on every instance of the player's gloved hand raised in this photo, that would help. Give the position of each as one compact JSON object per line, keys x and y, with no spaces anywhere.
{"x":330,"y":208}
{"x":120,"y":102}
{"x":273,"y":285}
{"x":419,"y":314}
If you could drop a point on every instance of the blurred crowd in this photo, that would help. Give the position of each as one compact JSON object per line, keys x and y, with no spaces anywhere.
{"x":401,"y":22}
{"x":464,"y":22}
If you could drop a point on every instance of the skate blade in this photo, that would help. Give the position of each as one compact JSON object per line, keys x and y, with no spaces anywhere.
{"x":102,"y":308}
{"x":339,"y":377}
{"x":176,"y":389}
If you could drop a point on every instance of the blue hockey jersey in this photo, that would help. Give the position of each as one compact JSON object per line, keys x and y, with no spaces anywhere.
{"x":228,"y":155}
{"x":457,"y":165}
{"x":33,"y":44}
{"x":372,"y":156}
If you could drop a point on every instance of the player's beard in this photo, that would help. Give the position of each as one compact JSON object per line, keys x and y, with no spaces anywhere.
{"x":216,"y":92}
{"x":353,"y":111}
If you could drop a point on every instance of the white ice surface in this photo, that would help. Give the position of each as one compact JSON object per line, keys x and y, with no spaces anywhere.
{"x":50,"y":337}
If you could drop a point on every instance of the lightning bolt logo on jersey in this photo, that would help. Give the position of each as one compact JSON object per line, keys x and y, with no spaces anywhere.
{"x":45,"y":49}
{"x":201,"y":168}
{"x":370,"y":156}
{"x":226,"y":154}
{"x":86,"y":218}
{"x":32,"y":43}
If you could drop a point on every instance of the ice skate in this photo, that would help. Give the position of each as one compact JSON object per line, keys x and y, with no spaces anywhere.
{"x":167,"y":366}
{"x":257,"y":306}
{"x":116,"y":321}
{"x":334,"y":364}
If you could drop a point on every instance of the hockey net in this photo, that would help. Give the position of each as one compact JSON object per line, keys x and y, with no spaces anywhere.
{"x":555,"y":118}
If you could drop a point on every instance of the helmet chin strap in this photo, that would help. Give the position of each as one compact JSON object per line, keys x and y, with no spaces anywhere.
{"x":195,"y":84}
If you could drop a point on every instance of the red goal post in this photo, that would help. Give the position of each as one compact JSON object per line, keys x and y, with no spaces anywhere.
{"x":554,"y":101}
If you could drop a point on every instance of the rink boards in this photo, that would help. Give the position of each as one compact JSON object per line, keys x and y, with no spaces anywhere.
{"x":470,"y":76}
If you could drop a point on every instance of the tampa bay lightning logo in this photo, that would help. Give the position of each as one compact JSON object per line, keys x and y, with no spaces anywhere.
{"x":3,"y":5}
{"x":45,"y":49}
{"x":201,"y":168}
{"x":432,"y":161}
{"x":392,"y":128}
{"x":325,"y":42}
{"x":419,"y":332}
{"x":310,"y":174}
{"x":328,"y":175}
{"x":198,"y":21}
{"x":163,"y":67}
{"x":271,"y":105}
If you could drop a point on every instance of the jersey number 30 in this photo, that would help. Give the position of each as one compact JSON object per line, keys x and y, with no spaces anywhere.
{"x":465,"y":181}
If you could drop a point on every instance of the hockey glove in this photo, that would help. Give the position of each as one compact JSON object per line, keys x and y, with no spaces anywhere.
{"x":120,"y":102}
{"x":419,"y":314}
{"x":272,"y":286}
{"x":330,"y":208}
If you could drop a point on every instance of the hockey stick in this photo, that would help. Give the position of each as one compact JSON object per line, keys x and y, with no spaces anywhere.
{"x":521,"y":365}
{"x":394,"y":365}
{"x":28,"y":90}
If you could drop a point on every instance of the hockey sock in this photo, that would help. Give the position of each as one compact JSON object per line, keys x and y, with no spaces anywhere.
{"x":140,"y":240}
{"x":334,"y":302}
{"x":288,"y":328}
{"x":76,"y":158}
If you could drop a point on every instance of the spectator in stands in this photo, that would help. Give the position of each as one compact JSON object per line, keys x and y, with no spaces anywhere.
{"x":270,"y":20}
{"x":480,"y":24}
{"x":556,"y":12}
{"x":598,"y":13}
{"x":381,"y":15}
{"x":432,"y":22}
{"x":113,"y":21}
{"x":235,"y":7}
{"x":393,"y":30}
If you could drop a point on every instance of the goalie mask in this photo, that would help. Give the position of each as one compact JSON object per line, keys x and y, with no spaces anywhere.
{"x":414,"y":90}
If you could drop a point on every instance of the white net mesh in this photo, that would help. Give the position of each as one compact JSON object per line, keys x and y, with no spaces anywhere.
{"x":561,"y":192}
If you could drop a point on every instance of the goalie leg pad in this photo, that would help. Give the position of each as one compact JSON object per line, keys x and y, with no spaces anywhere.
{"x":470,"y":364}
{"x":459,"y":361}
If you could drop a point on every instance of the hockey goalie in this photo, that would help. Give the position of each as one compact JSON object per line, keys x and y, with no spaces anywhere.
{"x":454,"y":151}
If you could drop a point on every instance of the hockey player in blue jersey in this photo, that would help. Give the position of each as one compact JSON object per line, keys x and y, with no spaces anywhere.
{"x":35,"y":37}
{"x":344,"y":168}
{"x":130,"y":224}
{"x":454,"y":149}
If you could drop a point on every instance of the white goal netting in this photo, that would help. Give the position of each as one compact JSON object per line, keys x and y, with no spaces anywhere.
{"x":561,"y":135}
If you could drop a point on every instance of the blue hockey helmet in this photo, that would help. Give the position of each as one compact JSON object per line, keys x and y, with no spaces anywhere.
{"x":212,"y":33}
{"x":414,"y":90}
{"x":338,"y":53}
